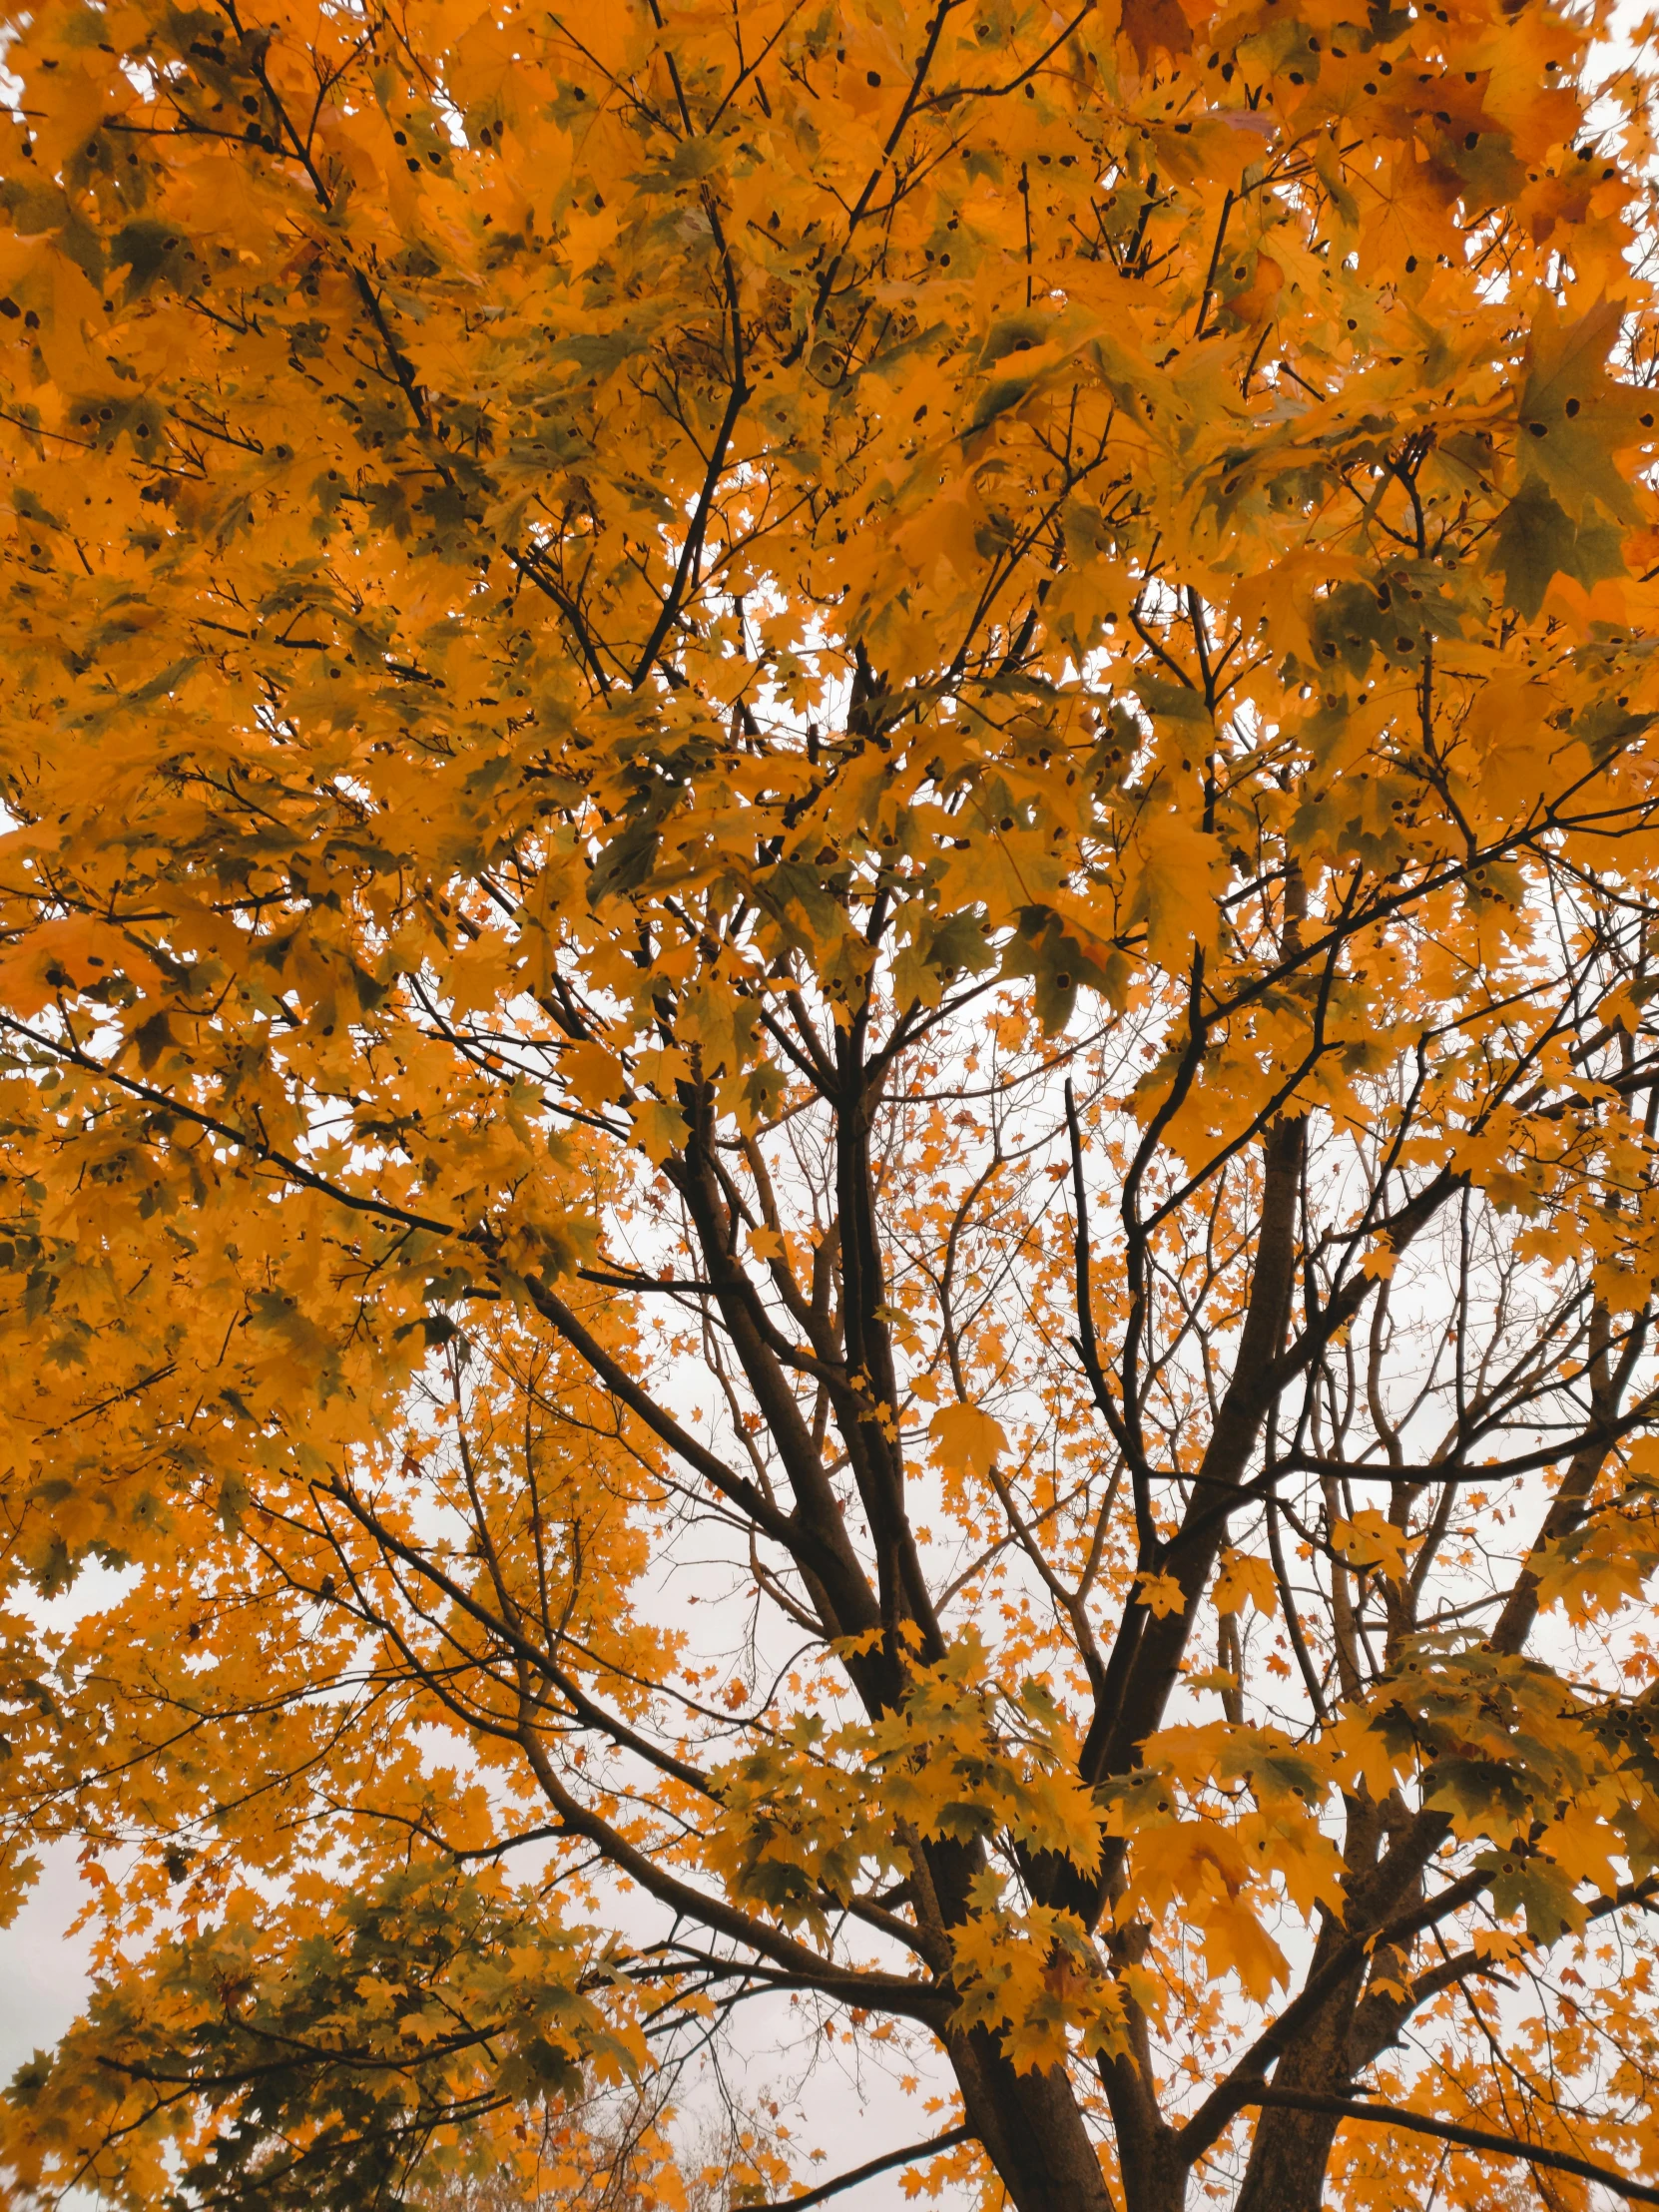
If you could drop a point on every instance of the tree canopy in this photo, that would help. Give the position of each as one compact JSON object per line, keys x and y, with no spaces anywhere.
{"x":828,"y":945}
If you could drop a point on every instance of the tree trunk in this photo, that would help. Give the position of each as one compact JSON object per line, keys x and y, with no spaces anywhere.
{"x":1288,"y":2161}
{"x":1034,"y":2132}
{"x":1289,"y":2156}
{"x":1154,"y":2175}
{"x":1291,"y":2150}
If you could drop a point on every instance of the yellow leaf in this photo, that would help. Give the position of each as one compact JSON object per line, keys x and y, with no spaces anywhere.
{"x":1236,"y":1942}
{"x":594,"y":1074}
{"x":1371,"y":1540}
{"x":1161,"y":1594}
{"x":1244,"y":1581}
{"x":659,"y":1129}
{"x":966,"y":1440}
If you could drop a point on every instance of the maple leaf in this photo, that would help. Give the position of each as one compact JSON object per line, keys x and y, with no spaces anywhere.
{"x":1156,"y":26}
{"x":1161,"y":1594}
{"x":1573,"y":416}
{"x":1244,"y":1580}
{"x":1536,"y":540}
{"x":1370,"y":1539}
{"x":968,"y":1440}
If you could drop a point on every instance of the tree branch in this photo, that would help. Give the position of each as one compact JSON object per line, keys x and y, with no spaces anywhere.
{"x":871,"y":2168}
{"x":1467,"y":2138}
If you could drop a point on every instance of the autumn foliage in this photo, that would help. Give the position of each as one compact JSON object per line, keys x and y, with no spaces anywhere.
{"x":829,"y":1001}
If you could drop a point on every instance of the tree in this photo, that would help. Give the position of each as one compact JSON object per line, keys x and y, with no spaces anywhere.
{"x":845,"y":811}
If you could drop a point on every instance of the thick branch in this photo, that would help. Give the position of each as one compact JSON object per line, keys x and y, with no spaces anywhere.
{"x":1467,"y":2138}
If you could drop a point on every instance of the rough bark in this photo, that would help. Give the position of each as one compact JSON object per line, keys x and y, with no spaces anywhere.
{"x":1033,"y":2131}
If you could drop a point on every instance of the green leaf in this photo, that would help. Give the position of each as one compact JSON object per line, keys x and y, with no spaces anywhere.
{"x":1537,"y":540}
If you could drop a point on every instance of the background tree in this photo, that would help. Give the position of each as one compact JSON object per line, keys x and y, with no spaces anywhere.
{"x":845,"y":811}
